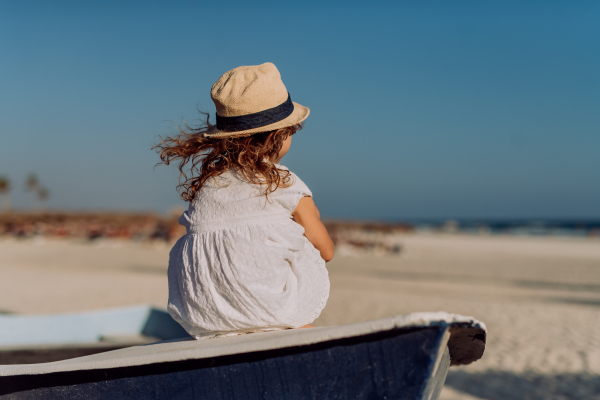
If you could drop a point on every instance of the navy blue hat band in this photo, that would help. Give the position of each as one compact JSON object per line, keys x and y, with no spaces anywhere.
{"x":256,"y":120}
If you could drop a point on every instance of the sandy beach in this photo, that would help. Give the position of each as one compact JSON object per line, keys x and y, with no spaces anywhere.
{"x":540,"y":298}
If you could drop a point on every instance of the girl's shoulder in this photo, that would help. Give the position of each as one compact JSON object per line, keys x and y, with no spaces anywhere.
{"x":291,"y":195}
{"x":297,"y":183}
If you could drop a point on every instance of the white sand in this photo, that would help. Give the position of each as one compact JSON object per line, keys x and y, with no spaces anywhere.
{"x":540,"y":298}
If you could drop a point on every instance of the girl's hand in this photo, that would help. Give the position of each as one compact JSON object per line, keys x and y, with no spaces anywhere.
{"x":307,"y":214}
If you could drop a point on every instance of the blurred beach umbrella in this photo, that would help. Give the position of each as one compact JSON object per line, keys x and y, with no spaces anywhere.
{"x":4,"y":191}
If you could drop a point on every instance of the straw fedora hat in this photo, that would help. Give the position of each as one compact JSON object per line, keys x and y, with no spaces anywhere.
{"x":252,"y":99}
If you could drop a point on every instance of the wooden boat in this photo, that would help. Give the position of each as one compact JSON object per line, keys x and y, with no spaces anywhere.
{"x":402,"y":357}
{"x":26,"y":339}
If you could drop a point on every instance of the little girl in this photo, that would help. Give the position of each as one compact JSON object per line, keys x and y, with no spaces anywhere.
{"x":253,"y":258}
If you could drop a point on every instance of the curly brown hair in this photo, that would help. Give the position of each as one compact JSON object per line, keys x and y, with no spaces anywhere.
{"x":254,"y":156}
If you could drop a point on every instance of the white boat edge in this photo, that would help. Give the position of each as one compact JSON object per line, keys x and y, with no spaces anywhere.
{"x":190,"y":349}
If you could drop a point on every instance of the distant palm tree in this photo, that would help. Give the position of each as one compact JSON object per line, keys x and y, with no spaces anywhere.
{"x":4,"y":191}
{"x":32,"y":182}
{"x":43,"y":194}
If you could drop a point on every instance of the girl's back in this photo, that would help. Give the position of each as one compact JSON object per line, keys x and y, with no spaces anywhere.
{"x":244,"y":264}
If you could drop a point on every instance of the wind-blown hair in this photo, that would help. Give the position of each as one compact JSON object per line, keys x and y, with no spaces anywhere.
{"x":199,"y":158}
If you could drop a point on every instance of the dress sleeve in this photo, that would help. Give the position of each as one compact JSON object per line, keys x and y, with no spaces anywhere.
{"x":289,"y":197}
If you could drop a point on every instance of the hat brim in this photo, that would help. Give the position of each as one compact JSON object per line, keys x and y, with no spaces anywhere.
{"x":299,"y":114}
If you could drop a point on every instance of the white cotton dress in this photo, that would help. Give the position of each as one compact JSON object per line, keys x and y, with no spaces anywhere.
{"x":244,"y":265}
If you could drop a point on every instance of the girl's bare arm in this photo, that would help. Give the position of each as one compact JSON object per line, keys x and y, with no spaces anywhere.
{"x":307,"y":215}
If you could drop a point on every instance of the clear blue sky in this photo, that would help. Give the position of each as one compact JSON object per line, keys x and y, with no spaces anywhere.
{"x":418,"y":109}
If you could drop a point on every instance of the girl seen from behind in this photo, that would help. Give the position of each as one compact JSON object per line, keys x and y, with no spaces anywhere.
{"x":253,"y":258}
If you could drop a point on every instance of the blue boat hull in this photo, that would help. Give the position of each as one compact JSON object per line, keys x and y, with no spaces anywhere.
{"x":408,"y":363}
